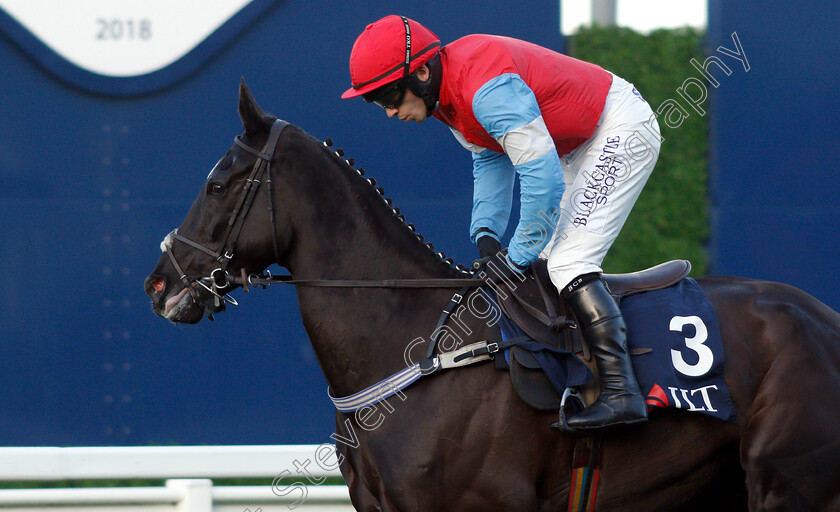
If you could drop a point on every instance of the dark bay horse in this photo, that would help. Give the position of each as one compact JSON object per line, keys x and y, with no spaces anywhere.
{"x":461,"y":439}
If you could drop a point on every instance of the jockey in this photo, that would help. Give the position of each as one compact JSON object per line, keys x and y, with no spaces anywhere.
{"x":581,"y":140}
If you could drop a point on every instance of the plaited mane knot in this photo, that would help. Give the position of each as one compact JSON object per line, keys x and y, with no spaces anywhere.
{"x":350,"y":162}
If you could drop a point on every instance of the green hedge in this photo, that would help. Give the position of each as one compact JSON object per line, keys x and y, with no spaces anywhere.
{"x":671,"y":218}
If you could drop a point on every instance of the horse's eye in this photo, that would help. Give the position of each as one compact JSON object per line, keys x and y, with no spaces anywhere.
{"x":217,"y":189}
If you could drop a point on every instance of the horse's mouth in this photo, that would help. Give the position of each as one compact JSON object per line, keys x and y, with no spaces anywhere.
{"x":177,"y":303}
{"x":181,"y":307}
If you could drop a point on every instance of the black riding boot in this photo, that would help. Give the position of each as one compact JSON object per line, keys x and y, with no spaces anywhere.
{"x":603,"y":327}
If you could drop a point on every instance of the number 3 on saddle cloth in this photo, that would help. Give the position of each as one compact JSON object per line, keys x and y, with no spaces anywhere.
{"x":673,"y":337}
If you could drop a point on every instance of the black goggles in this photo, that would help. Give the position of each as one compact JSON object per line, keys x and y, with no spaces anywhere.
{"x":389,"y":95}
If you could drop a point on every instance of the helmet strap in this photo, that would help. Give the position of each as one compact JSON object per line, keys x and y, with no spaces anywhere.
{"x":407,"y":64}
{"x":428,"y":90}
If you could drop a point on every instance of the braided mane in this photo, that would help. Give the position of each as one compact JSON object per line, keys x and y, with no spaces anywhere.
{"x":350,"y":163}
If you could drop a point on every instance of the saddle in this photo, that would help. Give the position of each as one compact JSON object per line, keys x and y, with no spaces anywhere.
{"x":538,"y":310}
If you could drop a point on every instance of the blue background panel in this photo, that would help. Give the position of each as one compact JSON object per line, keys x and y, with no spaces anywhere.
{"x":97,"y":170}
{"x":775,"y":179}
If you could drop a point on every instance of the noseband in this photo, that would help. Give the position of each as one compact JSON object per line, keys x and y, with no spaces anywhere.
{"x":219,"y":278}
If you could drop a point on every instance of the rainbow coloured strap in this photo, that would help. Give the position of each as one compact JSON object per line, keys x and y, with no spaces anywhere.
{"x":586,"y":468}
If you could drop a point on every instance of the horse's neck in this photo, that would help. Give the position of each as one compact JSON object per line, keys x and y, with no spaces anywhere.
{"x":360,"y":335}
{"x":345,"y":236}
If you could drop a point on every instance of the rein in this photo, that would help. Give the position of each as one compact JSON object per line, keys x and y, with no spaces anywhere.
{"x":220,"y":278}
{"x":268,"y":279}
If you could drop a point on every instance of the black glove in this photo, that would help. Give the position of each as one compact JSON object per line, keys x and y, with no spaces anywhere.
{"x":499,"y":269}
{"x":487,"y":246}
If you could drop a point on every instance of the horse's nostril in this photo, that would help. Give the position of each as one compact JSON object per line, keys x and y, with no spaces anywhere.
{"x":158,"y":285}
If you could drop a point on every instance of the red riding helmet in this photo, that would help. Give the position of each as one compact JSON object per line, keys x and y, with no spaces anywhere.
{"x":379,"y":55}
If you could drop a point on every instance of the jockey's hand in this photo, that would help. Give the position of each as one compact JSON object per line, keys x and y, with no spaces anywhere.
{"x":498,"y":268}
{"x":487,"y":246}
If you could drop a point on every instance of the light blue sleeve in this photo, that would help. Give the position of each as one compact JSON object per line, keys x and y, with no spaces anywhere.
{"x":492,"y":193}
{"x":507,"y":108}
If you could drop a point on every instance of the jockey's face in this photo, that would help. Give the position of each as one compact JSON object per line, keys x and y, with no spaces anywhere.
{"x":412,"y":107}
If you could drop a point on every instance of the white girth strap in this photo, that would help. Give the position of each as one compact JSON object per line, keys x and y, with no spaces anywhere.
{"x":404,"y":378}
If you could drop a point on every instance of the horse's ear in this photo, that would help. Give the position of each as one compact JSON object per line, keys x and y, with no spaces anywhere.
{"x":254,"y":119}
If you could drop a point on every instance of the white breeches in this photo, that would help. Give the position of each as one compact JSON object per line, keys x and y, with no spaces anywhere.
{"x":604,"y":177}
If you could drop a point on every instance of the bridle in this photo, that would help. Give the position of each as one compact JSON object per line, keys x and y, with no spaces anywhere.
{"x":219,"y":279}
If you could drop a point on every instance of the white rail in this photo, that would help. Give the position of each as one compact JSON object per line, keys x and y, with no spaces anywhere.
{"x":188,"y":471}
